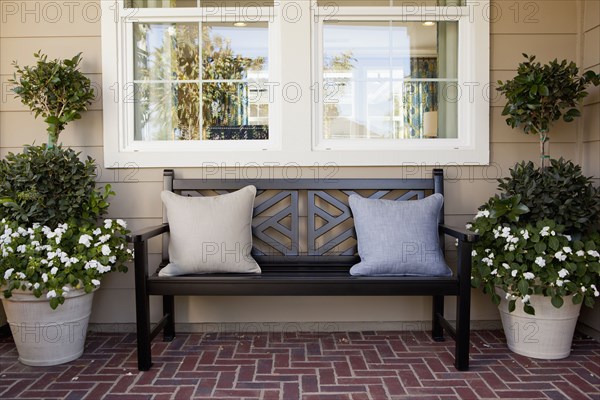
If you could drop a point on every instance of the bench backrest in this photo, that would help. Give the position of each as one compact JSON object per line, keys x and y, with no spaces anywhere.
{"x":306,"y":220}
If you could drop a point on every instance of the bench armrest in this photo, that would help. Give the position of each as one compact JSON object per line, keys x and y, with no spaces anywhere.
{"x":464,"y":235}
{"x":144,"y":234}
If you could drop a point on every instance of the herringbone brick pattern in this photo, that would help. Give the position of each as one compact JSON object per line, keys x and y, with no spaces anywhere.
{"x":308,"y":366}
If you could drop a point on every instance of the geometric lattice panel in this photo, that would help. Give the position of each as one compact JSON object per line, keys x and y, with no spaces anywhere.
{"x":280,"y":238}
{"x":330,"y":225}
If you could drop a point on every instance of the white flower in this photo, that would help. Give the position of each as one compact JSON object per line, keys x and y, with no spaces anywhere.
{"x":112,"y":259}
{"x":514,"y":273}
{"x":36,"y":285}
{"x":22,"y":248}
{"x":594,"y":253}
{"x":596,"y":292}
{"x":491,"y":255}
{"x":528,"y":275}
{"x":508,"y":296}
{"x":104,"y":238}
{"x":560,"y":256}
{"x":124,"y":224}
{"x":474,"y":253}
{"x":580,"y":253}
{"x":65,"y":288}
{"x":105,"y":250}
{"x":563,"y":272}
{"x":583,"y":289}
{"x":511,"y":247}
{"x":85,"y":240}
{"x":525,"y":234}
{"x":540,"y":261}
{"x":91,"y":264}
{"x":525,"y":298}
{"x":107,"y":223}
{"x":494,"y":272}
{"x":505,"y":265}
{"x":468,"y":226}
{"x":559,"y":282}
{"x":8,"y":273}
{"x":544,"y":231}
{"x":54,"y":270}
{"x":483,"y":213}
{"x":97,"y":231}
{"x":567,"y":250}
{"x":20,"y":275}
{"x":487,"y":261}
{"x":95,"y":282}
{"x":51,"y":294}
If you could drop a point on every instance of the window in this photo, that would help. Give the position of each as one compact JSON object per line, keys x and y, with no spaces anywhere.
{"x":263,"y":82}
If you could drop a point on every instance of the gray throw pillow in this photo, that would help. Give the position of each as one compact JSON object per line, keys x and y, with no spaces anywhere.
{"x":210,"y":234}
{"x":398,"y":238}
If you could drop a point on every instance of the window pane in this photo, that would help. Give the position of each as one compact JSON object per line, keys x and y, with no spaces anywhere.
{"x":234,"y":52}
{"x":166,"y":51}
{"x":235,"y":111}
{"x":388,"y":3}
{"x":389,"y":80}
{"x":160,"y":3}
{"x":167,"y":111}
{"x":236,"y":3}
{"x":201,"y":3}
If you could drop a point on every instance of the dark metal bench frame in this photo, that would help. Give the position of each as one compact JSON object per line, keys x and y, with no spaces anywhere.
{"x":294,"y":274}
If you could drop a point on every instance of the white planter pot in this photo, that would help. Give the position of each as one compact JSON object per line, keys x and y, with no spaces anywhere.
{"x":44,"y":336}
{"x":547,"y":334}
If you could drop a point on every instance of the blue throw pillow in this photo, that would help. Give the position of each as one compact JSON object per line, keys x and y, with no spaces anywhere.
{"x":398,"y":238}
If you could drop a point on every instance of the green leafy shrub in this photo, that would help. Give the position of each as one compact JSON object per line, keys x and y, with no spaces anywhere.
{"x":540,"y":94}
{"x":559,"y":192}
{"x":50,"y":186}
{"x":55,"y":89}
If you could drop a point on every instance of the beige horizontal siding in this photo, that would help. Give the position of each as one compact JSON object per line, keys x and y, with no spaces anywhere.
{"x":548,"y":29}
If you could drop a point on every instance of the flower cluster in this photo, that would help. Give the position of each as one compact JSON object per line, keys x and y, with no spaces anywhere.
{"x":525,"y":259}
{"x":51,"y":262}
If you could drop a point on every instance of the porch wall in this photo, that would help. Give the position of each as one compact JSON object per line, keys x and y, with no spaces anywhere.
{"x":550,"y":29}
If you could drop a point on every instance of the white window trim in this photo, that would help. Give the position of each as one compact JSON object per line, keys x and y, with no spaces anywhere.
{"x":293,"y":123}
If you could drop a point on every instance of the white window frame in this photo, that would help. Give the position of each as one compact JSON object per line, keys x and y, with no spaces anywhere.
{"x":295,"y":57}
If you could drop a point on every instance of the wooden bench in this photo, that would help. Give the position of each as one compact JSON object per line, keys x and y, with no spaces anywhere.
{"x":314,"y":265}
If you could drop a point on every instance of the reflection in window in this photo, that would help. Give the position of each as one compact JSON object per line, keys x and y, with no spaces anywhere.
{"x":200,"y":82}
{"x":389,"y":80}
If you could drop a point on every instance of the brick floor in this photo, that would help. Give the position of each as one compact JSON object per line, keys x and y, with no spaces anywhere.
{"x":307,"y":366}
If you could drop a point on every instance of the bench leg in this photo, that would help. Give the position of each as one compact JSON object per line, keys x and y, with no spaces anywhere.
{"x":142,"y":308}
{"x":463,"y":330}
{"x":437,"y":331}
{"x":169,"y":313}
{"x":463,"y":308}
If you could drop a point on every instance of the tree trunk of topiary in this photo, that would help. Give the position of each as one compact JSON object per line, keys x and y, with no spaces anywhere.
{"x":543,"y":156}
{"x":53,"y":137}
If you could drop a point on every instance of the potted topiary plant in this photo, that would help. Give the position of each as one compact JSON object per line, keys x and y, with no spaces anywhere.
{"x":538,"y":255}
{"x":53,"y":250}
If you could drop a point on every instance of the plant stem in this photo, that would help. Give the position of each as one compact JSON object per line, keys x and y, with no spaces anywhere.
{"x":543,"y":141}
